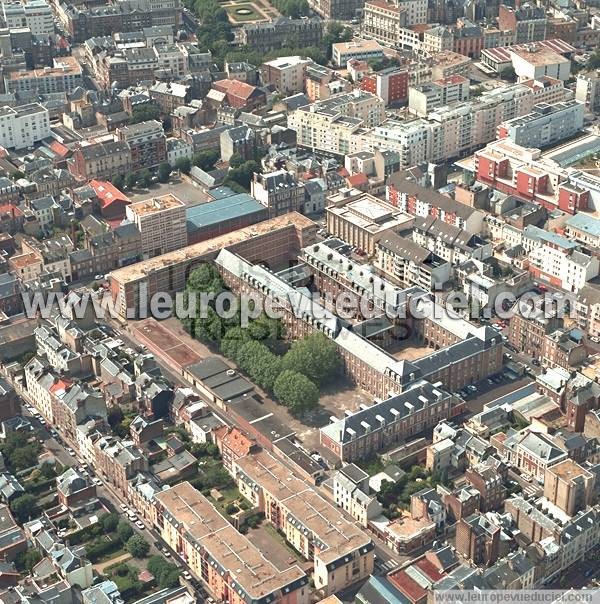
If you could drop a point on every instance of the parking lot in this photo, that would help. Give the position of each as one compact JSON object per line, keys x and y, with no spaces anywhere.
{"x":188,"y":192}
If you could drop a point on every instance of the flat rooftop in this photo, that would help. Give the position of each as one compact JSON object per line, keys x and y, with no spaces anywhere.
{"x":540,"y":56}
{"x":332,"y":534}
{"x":191,"y":252}
{"x":156,"y":204}
{"x":188,"y":509}
{"x":568,"y":469}
{"x":220,"y":210}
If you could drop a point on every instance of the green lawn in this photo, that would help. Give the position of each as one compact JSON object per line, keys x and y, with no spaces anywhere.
{"x":235,"y":16}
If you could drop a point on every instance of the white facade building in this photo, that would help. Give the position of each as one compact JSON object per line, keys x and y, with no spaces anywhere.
{"x":23,"y":126}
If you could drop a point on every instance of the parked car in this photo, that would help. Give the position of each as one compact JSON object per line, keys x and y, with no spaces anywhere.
{"x":140,"y":524}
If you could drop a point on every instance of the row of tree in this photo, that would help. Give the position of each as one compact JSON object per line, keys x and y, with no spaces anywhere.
{"x":295,"y":377}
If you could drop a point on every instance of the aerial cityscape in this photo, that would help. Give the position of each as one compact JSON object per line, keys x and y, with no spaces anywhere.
{"x":299,"y":301}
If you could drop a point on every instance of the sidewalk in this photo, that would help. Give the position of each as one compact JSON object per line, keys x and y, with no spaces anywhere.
{"x":99,"y":568}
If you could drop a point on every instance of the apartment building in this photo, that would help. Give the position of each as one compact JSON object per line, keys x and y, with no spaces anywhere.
{"x":528,"y":21}
{"x":418,"y":201}
{"x":337,"y":9}
{"x":558,"y":260}
{"x":23,"y":126}
{"x":487,"y":478}
{"x":394,"y":420}
{"x":286,"y":74}
{"x":230,"y":566}
{"x":584,"y":229}
{"x":171,"y":59}
{"x":274,"y":241}
{"x":449,"y":242}
{"x":361,"y":220}
{"x":82,"y":22}
{"x":545,"y":126}
{"x":361,"y":50}
{"x":391,"y":85}
{"x":117,"y":461}
{"x":408,"y":263}
{"x":34,"y":14}
{"x":351,"y":493}
{"x":328,"y":125}
{"x":534,"y":62}
{"x":587,"y":90}
{"x":527,"y":334}
{"x":478,"y":539}
{"x":275,"y":34}
{"x":426,"y":97}
{"x":341,"y":552}
{"x":532,"y":453}
{"x":161,"y":223}
{"x":569,"y":486}
{"x":100,"y":161}
{"x":382,"y":21}
{"x":65,"y":75}
{"x":521,"y":171}
{"x":280,"y":192}
{"x":147,"y":143}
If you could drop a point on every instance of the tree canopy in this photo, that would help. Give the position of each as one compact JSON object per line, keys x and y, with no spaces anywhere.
{"x":296,"y":391}
{"x":137,"y":546}
{"x":145,"y":112}
{"x":25,"y":507}
{"x":315,"y":356}
{"x":164,"y":171}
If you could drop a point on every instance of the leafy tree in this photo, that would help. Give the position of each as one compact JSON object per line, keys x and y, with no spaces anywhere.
{"x":296,"y":391}
{"x":215,"y":477}
{"x":169,"y":579}
{"x":164,"y":171}
{"x":130,"y":180}
{"x":594,"y":60}
{"x":137,"y":546}
{"x":336,"y":32}
{"x":184,"y":165}
{"x":205,"y":278}
{"x":18,"y":452}
{"x":124,"y":531}
{"x":144,"y":178}
{"x":25,"y":507}
{"x":118,"y":181}
{"x":233,"y":341}
{"x":48,"y":470}
{"x":17,"y":174}
{"x":109,"y":522}
{"x":145,"y":112}
{"x":28,"y":559}
{"x":236,"y":160}
{"x":260,"y":363}
{"x":508,"y":73}
{"x":205,"y":159}
{"x":315,"y":356}
{"x":242,"y":175}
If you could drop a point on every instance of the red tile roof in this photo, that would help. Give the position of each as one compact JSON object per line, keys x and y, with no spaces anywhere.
{"x":107,"y":193}
{"x":60,"y":385}
{"x":357,"y":180}
{"x":59,"y":149}
{"x":409,"y":587}
{"x":429,"y":569}
{"x":235,"y":88}
{"x":10,"y":209}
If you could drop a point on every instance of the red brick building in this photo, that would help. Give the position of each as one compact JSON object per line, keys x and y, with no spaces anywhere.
{"x":478,"y":540}
{"x":390,"y":84}
{"x":241,"y":95}
{"x":112,"y":202}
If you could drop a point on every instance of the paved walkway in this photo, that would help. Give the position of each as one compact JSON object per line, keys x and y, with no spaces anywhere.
{"x":99,"y":568}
